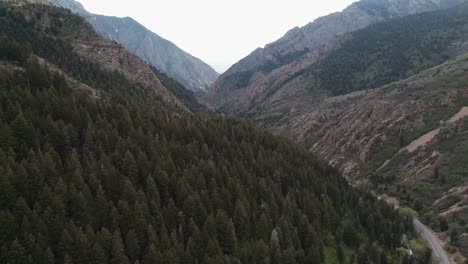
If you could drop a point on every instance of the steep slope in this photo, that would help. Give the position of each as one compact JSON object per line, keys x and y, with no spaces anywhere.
{"x":369,"y":58}
{"x":162,"y":54}
{"x":409,"y":139}
{"x":58,"y":33}
{"x":258,"y":76}
{"x":117,"y":176}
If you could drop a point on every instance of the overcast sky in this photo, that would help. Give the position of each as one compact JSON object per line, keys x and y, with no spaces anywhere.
{"x":220,"y":32}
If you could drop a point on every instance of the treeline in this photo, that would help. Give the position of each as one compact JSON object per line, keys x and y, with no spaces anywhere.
{"x":390,"y":51}
{"x":124,"y":180}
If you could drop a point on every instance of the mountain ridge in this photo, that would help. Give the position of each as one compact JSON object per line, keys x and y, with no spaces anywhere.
{"x":247,"y":82}
{"x":190,"y":71}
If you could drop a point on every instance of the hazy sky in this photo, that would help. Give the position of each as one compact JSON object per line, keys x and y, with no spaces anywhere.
{"x":220,"y":32}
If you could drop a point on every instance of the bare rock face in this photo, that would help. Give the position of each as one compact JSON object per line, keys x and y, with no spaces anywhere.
{"x":193,"y":73}
{"x":259,"y":75}
{"x":115,"y":58}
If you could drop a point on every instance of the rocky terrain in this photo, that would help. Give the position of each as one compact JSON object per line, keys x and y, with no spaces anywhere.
{"x":260,"y":75}
{"x":406,"y":115}
{"x":115,"y":58}
{"x":193,"y":73}
{"x":367,"y":95}
{"x":409,"y":139}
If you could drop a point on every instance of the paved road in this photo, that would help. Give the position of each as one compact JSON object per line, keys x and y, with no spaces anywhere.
{"x":432,"y":240}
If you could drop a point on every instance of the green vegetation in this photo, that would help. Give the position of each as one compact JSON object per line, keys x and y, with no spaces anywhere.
{"x":408,"y":212}
{"x":125,"y":178}
{"x":187,"y":97}
{"x":393,"y":50}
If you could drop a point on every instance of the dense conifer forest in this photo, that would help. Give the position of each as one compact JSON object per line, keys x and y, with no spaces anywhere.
{"x":125,"y":178}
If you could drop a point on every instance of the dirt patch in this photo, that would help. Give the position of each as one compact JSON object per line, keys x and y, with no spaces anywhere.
{"x":422,"y":141}
{"x":460,"y":115}
{"x":461,"y":192}
{"x":383,"y":165}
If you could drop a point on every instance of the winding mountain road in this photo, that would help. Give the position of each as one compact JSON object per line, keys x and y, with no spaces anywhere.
{"x":432,"y":240}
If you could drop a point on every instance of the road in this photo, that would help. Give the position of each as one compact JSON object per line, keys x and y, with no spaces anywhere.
{"x":432,"y":240}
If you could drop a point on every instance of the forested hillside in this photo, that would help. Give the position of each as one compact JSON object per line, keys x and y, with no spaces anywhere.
{"x":393,"y":50}
{"x":409,"y":139}
{"x":123,"y":177}
{"x":187,"y":97}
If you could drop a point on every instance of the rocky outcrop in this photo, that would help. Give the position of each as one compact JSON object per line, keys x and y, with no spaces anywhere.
{"x":115,"y":58}
{"x":193,"y":73}
{"x":359,"y":132}
{"x":265,"y":71}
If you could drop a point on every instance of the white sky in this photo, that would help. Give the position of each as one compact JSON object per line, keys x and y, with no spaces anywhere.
{"x":220,"y":32}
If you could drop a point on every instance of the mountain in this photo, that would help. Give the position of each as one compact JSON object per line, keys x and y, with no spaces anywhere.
{"x":191,"y":72}
{"x":99,"y":163}
{"x":72,"y":44}
{"x":93,"y":52}
{"x":385,"y":104}
{"x":408,"y":140}
{"x":366,"y":59}
{"x":264,"y":72}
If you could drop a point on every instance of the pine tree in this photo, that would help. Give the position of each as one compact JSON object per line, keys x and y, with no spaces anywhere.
{"x":118,"y":251}
{"x":49,"y":256}
{"x":263,"y":228}
{"x":226,"y":233}
{"x":7,"y":192}
{"x":196,"y":244}
{"x":17,"y":253}
{"x":241,"y":221}
{"x":340,"y":254}
{"x":313,"y":255}
{"x":152,"y":256}
{"x":67,"y":259}
{"x":133,"y":246}
{"x":97,"y":255}
{"x":213,"y":248}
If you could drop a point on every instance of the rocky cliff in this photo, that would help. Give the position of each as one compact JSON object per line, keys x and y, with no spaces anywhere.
{"x":162,"y":54}
{"x":258,"y":76}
